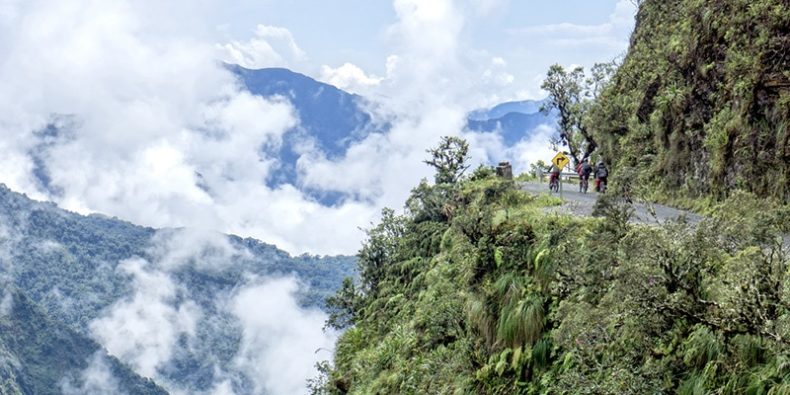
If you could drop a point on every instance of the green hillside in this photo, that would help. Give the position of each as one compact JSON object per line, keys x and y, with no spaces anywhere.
{"x":701,"y":104}
{"x":41,"y":356}
{"x":478,"y":291}
{"x":70,"y":266}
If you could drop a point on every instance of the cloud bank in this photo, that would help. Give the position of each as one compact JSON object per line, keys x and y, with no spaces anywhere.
{"x":106,"y":107}
{"x":271,"y":46}
{"x":96,"y":379}
{"x":610,"y":34}
{"x":161,"y":323}
{"x":109,"y":111}
{"x":281,"y":341}
{"x":101,"y":112}
{"x":143,"y":329}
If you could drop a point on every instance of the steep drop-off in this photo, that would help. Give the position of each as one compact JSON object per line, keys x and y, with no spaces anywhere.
{"x":39,"y":355}
{"x":74,"y":272}
{"x":477,"y":290}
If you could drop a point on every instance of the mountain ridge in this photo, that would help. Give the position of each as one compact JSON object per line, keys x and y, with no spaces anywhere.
{"x":43,"y":356}
{"x":88,"y":272}
{"x":336,"y":119}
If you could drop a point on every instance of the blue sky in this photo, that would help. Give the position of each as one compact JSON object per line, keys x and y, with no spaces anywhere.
{"x":141,"y":84}
{"x":153,"y":129}
{"x":528,"y":35}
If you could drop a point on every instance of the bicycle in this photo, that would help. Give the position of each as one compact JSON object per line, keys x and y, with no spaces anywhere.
{"x":554,"y":184}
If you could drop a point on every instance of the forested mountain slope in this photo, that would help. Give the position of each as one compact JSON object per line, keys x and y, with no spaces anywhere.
{"x":478,"y":290}
{"x":701,"y":103}
{"x":39,"y":355}
{"x":167,"y":301}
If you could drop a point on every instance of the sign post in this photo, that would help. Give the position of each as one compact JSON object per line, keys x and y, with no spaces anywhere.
{"x":560,"y":160}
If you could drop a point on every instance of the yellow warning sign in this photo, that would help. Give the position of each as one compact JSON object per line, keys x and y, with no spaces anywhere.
{"x":560,"y":160}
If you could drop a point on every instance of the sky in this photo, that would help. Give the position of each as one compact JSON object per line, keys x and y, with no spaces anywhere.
{"x":153,"y":130}
{"x":122,"y":107}
{"x":528,"y":35}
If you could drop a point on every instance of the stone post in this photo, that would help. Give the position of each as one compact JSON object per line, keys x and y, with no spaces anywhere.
{"x":504,"y":170}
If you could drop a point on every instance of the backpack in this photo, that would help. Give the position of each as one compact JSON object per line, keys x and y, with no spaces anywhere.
{"x":586,"y":170}
{"x":602,"y":172}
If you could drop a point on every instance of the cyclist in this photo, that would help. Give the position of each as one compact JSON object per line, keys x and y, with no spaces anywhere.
{"x":584,"y":170}
{"x":554,"y":178}
{"x":601,"y":177}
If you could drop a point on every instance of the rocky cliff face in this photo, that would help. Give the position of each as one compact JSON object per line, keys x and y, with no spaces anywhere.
{"x":701,"y":104}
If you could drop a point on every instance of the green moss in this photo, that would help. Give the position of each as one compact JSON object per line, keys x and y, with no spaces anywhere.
{"x":699,"y":103}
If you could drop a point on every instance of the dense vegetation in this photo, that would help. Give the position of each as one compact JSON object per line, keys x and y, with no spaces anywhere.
{"x":477,"y":290}
{"x":67,"y":264}
{"x":701,"y":104}
{"x":42,"y":356}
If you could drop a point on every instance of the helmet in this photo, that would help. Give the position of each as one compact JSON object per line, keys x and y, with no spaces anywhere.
{"x":600,"y":163}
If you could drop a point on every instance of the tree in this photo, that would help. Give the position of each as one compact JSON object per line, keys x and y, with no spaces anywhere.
{"x":566,"y":95}
{"x":571,"y":93}
{"x":533,"y":167}
{"x":379,"y":250}
{"x":600,"y":75}
{"x":343,"y":306}
{"x":449,"y":159}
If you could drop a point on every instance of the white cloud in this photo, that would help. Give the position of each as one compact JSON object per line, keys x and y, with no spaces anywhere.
{"x":142,"y":329}
{"x":9,"y":9}
{"x":350,"y":77}
{"x":612,"y":34}
{"x":489,"y":148}
{"x":223,"y":388}
{"x":486,"y":7}
{"x":279,"y":338}
{"x":432,"y":81}
{"x":271,"y":46}
{"x":157,"y":133}
{"x":96,"y":379}
{"x":6,"y":303}
{"x":282,"y":341}
{"x":426,"y":40}
{"x":206,"y":249}
{"x":497,"y":75}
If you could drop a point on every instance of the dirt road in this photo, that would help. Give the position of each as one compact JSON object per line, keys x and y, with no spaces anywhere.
{"x":582,"y":204}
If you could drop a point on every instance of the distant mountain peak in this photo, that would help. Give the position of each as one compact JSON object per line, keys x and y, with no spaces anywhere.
{"x":334,"y":120}
{"x":514,"y":121}
{"x":527,"y":107}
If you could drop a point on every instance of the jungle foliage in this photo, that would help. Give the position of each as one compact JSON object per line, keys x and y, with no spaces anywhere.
{"x":495,"y":296}
{"x":571,"y":95}
{"x":482,"y":291}
{"x":701,"y":104}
